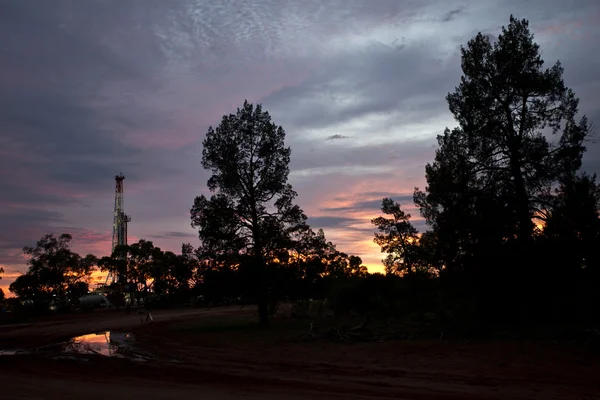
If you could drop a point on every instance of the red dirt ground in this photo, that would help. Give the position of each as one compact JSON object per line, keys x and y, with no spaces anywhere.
{"x":217,"y":355}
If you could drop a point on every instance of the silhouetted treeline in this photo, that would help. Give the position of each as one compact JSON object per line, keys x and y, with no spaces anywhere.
{"x":56,"y":275}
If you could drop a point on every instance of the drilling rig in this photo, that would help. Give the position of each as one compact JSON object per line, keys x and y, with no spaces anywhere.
{"x":120,"y":221}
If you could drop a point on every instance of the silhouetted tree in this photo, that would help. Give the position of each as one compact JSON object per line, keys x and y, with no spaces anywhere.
{"x":183,"y":269}
{"x":53,"y":269}
{"x":27,"y":286}
{"x":141,"y":261}
{"x":251,"y":210}
{"x":356,"y":267}
{"x":466,"y":209}
{"x":399,"y":239}
{"x":504,"y":103}
{"x":494,"y":174}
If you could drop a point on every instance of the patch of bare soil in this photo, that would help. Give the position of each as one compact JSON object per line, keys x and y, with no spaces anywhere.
{"x":414,"y":369}
{"x":224,"y":355}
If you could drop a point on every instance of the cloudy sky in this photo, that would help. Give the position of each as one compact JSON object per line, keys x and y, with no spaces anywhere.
{"x":92,"y":88}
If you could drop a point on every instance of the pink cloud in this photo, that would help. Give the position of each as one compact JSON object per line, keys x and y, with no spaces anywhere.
{"x":578,"y":29}
{"x":192,"y":105}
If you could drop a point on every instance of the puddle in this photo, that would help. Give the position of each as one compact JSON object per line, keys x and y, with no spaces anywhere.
{"x":107,"y":344}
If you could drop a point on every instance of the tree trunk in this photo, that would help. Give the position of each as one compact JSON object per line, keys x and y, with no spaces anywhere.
{"x":262,"y":298}
{"x":525,"y":229}
{"x":262,"y":289}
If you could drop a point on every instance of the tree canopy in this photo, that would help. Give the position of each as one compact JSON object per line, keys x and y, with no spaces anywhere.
{"x":54,"y":270}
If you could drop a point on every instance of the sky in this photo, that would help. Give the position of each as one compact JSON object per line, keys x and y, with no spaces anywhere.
{"x":93,"y":88}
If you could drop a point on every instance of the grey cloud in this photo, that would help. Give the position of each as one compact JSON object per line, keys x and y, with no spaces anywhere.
{"x":336,"y":137}
{"x":331,"y":221}
{"x":23,"y":227}
{"x":62,"y":43}
{"x":368,"y":205}
{"x":22,"y":216}
{"x":405,"y":155}
{"x":261,"y":29}
{"x":58,"y":101}
{"x":23,"y":195}
{"x":451,"y":15}
{"x":373,"y":77}
{"x":401,"y":198}
{"x":176,"y":235}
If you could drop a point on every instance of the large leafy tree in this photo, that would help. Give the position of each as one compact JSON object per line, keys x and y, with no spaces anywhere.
{"x":518,"y":136}
{"x":251,"y":210}
{"x":54,"y":269}
{"x":142,"y":258}
{"x":508,"y":107}
{"x":172,"y":273}
{"x":137,"y":265}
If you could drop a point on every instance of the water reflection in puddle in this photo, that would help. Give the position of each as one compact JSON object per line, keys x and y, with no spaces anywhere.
{"x":110,"y":344}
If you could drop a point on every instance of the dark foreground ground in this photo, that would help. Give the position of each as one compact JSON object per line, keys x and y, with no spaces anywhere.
{"x":219,"y":354}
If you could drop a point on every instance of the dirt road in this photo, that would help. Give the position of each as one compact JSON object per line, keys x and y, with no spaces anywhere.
{"x":217,"y":355}
{"x":51,"y":330}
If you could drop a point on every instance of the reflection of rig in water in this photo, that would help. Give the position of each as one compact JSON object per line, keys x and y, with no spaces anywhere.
{"x":120,"y":221}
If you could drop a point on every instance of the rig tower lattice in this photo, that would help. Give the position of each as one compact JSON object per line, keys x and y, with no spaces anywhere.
{"x":120,"y":220}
